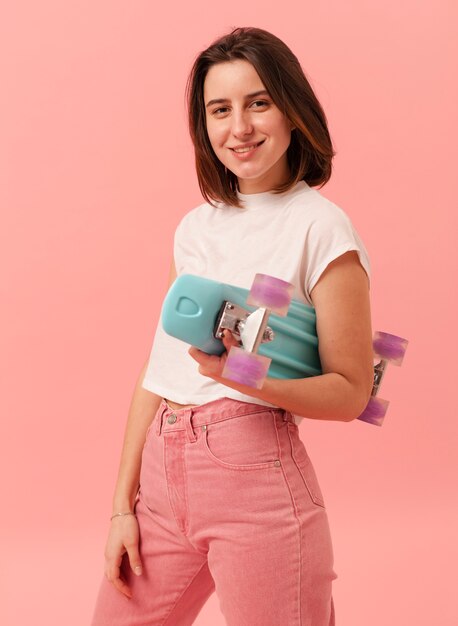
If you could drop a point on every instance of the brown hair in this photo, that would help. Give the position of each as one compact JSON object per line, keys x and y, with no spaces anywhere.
{"x":310,"y":151}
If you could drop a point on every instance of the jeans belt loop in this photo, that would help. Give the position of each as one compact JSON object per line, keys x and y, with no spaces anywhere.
{"x":159,"y":419}
{"x":188,"y":417}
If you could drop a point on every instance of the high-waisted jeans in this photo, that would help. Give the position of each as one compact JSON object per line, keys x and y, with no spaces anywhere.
{"x":228,"y":502}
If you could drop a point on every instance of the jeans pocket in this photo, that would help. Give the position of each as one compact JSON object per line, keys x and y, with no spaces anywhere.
{"x":243,"y":442}
{"x":304,"y":465}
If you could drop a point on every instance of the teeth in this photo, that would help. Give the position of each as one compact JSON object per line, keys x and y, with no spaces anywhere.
{"x":245,"y":149}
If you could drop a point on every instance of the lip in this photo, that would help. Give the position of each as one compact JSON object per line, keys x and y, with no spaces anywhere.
{"x":246,"y":155}
{"x":246,"y":145}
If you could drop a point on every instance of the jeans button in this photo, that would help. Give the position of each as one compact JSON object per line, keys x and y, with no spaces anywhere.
{"x":277,"y":463}
{"x":172,"y":418}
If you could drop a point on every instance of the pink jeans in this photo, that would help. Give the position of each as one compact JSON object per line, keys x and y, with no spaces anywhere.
{"x":228,"y":502}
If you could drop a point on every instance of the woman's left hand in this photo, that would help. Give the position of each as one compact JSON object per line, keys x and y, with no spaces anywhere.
{"x":212,"y":365}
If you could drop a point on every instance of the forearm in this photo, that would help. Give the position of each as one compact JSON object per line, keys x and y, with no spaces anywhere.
{"x":142,"y":410}
{"x":329,"y":396}
{"x":326,"y":397}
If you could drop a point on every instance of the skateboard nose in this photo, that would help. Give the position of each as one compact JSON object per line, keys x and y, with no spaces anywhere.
{"x":187,"y":306}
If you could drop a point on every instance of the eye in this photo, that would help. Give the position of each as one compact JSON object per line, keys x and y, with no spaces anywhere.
{"x":220,"y":109}
{"x":261,"y":102}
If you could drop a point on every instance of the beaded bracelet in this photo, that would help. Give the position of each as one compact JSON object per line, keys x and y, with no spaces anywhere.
{"x":118,"y":514}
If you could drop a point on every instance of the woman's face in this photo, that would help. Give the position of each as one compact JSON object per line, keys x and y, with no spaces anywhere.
{"x":242,"y":117}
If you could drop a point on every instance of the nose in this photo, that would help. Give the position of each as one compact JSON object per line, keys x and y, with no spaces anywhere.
{"x":241,"y":123}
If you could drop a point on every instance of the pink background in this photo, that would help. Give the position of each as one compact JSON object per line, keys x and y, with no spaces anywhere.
{"x":97,"y":168}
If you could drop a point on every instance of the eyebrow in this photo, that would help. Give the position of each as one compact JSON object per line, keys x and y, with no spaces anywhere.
{"x":262,"y":92}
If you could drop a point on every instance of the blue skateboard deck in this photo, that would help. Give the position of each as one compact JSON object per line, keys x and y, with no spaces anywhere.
{"x":196,"y":309}
{"x":190,"y":312}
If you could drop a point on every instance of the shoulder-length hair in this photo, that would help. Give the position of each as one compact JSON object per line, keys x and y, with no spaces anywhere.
{"x":310,"y":151}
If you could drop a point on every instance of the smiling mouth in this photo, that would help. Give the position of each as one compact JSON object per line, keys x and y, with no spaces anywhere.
{"x":247,"y":149}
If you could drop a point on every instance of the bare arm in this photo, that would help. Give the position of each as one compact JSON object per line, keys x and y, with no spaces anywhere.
{"x":123,"y":536}
{"x":341,"y":301}
{"x":143,"y":408}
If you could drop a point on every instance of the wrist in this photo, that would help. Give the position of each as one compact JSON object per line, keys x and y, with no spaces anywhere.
{"x":123,"y":503}
{"x":122,"y":514}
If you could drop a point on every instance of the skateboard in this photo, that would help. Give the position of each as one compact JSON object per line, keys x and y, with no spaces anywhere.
{"x":277,"y":333}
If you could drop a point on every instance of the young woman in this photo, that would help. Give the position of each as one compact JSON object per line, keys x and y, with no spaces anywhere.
{"x":215,"y":489}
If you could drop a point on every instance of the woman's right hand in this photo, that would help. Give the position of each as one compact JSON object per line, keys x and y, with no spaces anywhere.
{"x":123,"y":537}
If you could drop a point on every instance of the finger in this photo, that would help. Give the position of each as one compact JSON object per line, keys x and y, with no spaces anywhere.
{"x":229,"y":340}
{"x":121,"y":586}
{"x":112,"y":572}
{"x":202,"y":357}
{"x":134,"y":559}
{"x":195,"y":352}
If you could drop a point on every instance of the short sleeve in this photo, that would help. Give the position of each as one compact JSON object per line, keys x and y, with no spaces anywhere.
{"x":187,"y":242}
{"x":330,"y":235}
{"x":177,"y":252}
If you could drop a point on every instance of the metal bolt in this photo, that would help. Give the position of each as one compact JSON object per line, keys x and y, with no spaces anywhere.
{"x":269,"y":334}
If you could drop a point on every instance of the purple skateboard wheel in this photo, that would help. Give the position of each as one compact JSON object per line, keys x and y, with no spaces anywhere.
{"x":375,"y":411}
{"x":246,"y":368}
{"x":271,"y":293}
{"x":389,"y":347}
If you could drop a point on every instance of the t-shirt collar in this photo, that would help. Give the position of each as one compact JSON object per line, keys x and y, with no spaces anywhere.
{"x":252,"y":201}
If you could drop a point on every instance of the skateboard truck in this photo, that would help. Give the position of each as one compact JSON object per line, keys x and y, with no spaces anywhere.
{"x":390,"y":349}
{"x":249,"y":328}
{"x":244,"y":365}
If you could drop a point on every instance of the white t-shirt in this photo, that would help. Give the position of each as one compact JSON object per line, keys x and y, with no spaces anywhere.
{"x":292,"y":236}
